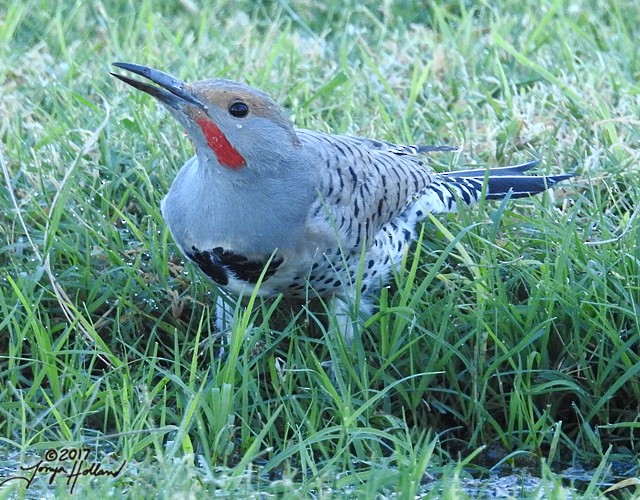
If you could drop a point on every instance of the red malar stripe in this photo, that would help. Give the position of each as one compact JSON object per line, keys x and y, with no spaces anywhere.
{"x":227,"y":155}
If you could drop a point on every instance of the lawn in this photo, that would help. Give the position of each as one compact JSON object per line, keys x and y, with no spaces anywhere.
{"x":503,"y":358}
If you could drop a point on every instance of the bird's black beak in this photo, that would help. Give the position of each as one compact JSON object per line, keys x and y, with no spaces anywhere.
{"x":171,"y":91}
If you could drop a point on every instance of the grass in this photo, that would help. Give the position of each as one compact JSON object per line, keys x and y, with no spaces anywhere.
{"x":508,"y":345}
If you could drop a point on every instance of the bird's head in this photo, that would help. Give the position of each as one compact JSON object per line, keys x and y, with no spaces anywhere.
{"x":230,"y":123}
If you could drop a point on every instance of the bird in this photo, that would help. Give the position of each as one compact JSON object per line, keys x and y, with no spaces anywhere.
{"x":299,"y":212}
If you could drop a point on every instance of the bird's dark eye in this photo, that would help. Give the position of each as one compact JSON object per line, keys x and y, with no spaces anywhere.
{"x":238,"y":109}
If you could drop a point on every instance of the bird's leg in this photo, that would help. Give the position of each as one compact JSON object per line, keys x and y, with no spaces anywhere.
{"x":224,"y":316}
{"x":342,"y":311}
{"x":342,"y":308}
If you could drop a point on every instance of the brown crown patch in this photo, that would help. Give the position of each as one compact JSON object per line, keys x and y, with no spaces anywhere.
{"x":223,"y":93}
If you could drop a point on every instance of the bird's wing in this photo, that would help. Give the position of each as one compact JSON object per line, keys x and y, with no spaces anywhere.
{"x":398,"y":149}
{"x":363,"y":184}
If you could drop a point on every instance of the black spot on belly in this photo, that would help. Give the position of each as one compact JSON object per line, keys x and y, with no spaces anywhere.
{"x":218,"y":263}
{"x":209,"y":264}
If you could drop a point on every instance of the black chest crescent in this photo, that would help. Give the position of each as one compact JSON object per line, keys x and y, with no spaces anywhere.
{"x":219,"y":263}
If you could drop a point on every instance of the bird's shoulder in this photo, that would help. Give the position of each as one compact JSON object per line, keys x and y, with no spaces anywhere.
{"x":365,"y":183}
{"x":375,"y":146}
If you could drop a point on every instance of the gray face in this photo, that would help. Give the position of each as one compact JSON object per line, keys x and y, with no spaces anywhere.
{"x":242,"y":126}
{"x":252,"y":123}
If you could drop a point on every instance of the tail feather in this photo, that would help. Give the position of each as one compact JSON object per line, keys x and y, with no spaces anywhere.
{"x":467,"y":185}
{"x":521,"y":186}
{"x":493,"y":172}
{"x":504,"y":180}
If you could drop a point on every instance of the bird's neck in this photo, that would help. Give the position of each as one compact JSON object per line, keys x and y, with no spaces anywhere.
{"x":247,"y":209}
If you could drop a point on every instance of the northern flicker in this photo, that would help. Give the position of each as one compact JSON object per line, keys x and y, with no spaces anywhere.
{"x":309,"y":209}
